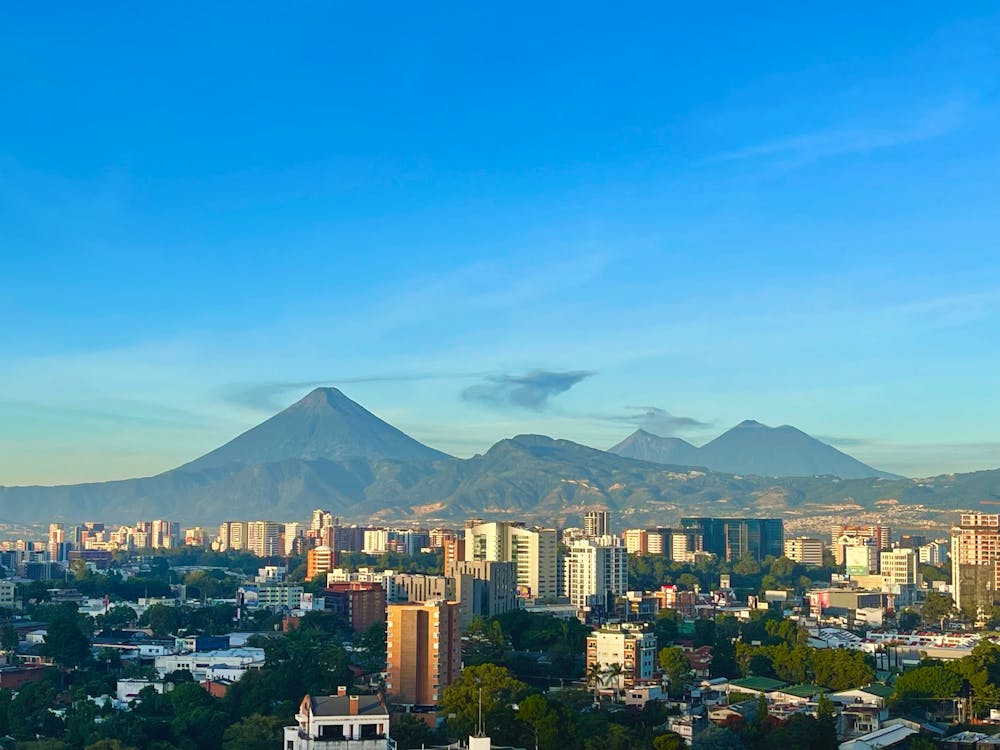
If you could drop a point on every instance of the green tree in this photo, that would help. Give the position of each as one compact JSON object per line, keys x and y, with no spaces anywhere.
{"x":372,"y":644}
{"x":6,"y":698}
{"x":916,"y":686}
{"x":541,"y":720}
{"x":937,"y":606}
{"x":255,"y":732}
{"x":498,"y":691}
{"x":674,"y":664}
{"x":163,"y":619}
{"x":761,"y":714}
{"x":118,"y":616}
{"x":841,"y":669}
{"x":108,"y":745}
{"x":747,"y":566}
{"x":30,"y":717}
{"x":718,"y":738}
{"x":669,"y":741}
{"x":665,"y":627}
{"x":826,"y":716}
{"x":484,"y":643}
{"x":67,"y":640}
{"x":8,"y":638}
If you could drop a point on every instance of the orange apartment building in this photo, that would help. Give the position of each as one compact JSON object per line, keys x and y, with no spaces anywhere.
{"x":423,"y":651}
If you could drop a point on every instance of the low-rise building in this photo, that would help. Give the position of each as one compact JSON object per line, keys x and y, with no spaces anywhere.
{"x":630,"y":646}
{"x":233,"y":661}
{"x":339,"y":722}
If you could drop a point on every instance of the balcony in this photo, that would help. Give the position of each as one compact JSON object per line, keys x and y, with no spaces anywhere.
{"x":295,"y":739}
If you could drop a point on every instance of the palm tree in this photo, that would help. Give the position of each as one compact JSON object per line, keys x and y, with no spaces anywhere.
{"x":595,"y":674}
{"x":612,"y":676}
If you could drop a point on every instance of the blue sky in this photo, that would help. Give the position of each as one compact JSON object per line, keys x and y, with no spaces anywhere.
{"x":784,"y":214}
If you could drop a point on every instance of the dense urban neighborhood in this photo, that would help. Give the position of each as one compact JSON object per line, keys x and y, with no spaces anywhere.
{"x":715,"y":633}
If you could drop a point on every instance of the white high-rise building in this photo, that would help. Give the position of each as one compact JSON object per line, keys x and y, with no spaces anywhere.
{"x":900,"y":567}
{"x":232,"y":535}
{"x":596,"y":523}
{"x":320,"y":519}
{"x":376,"y":541}
{"x":805,"y":550}
{"x":293,"y":531}
{"x":264,"y":538}
{"x":593,"y":569}
{"x":533,"y":551}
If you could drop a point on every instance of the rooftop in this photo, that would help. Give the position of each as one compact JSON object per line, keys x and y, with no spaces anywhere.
{"x":877,"y":688}
{"x":762,"y":684}
{"x":804,"y":691}
{"x":340,"y":705}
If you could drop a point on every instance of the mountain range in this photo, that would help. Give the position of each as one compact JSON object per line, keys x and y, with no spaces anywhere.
{"x":751,"y":448}
{"x":327,"y":451}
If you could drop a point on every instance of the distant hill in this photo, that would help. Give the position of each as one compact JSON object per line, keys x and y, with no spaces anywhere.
{"x":751,"y":448}
{"x":324,"y":424}
{"x":646,"y":446}
{"x":363,"y":469}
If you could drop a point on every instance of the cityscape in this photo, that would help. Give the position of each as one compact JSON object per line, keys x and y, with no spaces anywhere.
{"x":855,"y":636}
{"x":470,"y":376}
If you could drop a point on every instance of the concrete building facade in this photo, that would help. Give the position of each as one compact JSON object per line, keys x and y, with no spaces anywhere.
{"x":423,"y":651}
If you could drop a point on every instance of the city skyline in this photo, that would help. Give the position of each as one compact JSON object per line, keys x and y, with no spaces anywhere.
{"x":481,"y":224}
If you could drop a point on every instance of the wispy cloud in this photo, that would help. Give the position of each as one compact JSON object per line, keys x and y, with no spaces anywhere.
{"x":533,"y":390}
{"x":267,"y":396}
{"x":804,"y":148}
{"x":659,"y":421}
{"x":845,"y":442}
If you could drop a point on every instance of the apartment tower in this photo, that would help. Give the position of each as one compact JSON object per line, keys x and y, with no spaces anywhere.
{"x":423,"y":651}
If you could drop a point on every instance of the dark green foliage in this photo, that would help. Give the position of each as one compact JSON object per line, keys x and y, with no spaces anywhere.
{"x":497,"y":690}
{"x":67,"y":640}
{"x":937,"y":606}
{"x":411,"y":733}
{"x":29,"y":715}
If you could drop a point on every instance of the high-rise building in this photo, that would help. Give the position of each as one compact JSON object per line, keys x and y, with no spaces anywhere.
{"x":321,"y":519}
{"x":454,"y":552}
{"x":484,"y":588}
{"x":733,"y":538}
{"x":423,"y":651}
{"x":533,"y":551}
{"x":58,"y":548}
{"x":320,"y":561}
{"x":163,"y":534}
{"x":658,"y":541}
{"x":975,"y":562}
{"x":805,"y":550}
{"x":862,"y":559}
{"x":844,"y":535}
{"x":900,"y":568}
{"x":422,"y":587}
{"x":596,"y":523}
{"x":593,"y":569}
{"x":934,"y":553}
{"x":376,"y":541}
{"x":293,"y":532}
{"x":232,"y":535}
{"x":195,"y":536}
{"x":685,"y":543}
{"x":360,"y":604}
{"x":264,"y":538}
{"x":631,"y":646}
{"x":636,"y":541}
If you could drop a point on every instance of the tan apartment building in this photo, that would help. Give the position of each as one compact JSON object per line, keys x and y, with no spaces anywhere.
{"x":423,"y":651}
